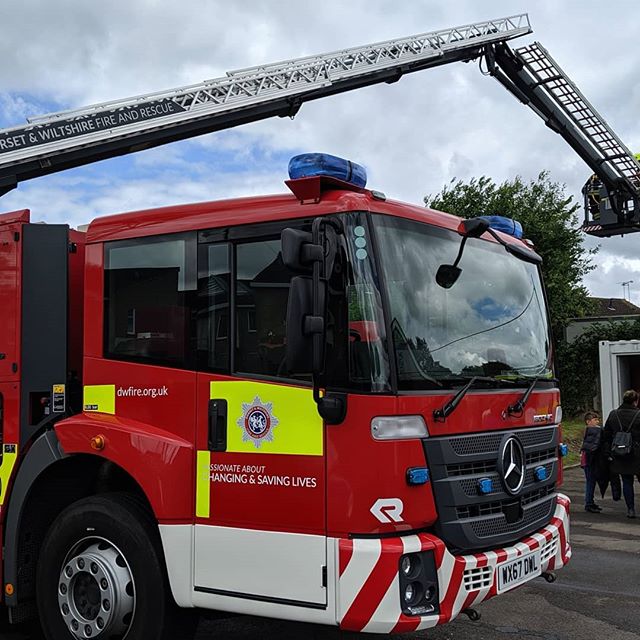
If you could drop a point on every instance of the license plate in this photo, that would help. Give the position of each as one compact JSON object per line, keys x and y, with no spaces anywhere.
{"x":518,"y":571}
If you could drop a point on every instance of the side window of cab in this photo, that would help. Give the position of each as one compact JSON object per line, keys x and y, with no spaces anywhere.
{"x":150,"y":293}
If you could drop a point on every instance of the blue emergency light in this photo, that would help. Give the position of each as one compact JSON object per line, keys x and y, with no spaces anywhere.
{"x":504,"y":224}
{"x":564,"y":450}
{"x":540,"y":473}
{"x":417,"y":475}
{"x":307,"y":165}
{"x":485,"y":486}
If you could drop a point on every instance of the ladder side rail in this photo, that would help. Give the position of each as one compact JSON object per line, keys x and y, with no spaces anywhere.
{"x":521,"y":84}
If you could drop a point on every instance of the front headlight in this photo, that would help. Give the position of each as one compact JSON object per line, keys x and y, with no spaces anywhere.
{"x":398,"y":427}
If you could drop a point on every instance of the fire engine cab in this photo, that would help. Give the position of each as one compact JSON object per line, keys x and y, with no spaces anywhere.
{"x":322,"y":406}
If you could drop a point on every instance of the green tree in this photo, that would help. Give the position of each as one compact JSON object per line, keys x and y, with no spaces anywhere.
{"x":549,"y":219}
{"x":579,"y":367}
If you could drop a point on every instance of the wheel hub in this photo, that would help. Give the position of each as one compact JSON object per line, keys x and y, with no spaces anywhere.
{"x":96,"y":591}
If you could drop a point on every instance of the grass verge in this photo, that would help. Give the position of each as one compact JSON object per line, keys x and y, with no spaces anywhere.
{"x":572,"y":434}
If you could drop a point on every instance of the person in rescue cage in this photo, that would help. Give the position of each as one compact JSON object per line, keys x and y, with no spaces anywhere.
{"x":622,"y":443}
{"x":589,"y":458}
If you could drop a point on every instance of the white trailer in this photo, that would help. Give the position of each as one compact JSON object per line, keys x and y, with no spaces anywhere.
{"x":619,"y":371}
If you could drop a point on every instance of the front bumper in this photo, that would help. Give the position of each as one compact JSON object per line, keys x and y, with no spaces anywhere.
{"x":368,"y":586}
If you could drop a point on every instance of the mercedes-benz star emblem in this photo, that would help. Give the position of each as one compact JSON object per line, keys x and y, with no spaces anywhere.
{"x":511,"y":464}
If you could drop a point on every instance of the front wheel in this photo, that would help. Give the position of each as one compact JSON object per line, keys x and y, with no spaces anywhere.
{"x":101,"y":576}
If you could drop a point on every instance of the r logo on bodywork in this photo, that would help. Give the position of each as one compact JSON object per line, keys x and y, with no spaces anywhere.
{"x":388,"y":509}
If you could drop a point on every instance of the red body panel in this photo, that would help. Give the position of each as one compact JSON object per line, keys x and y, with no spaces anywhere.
{"x":10,"y":300}
{"x":93,"y":301}
{"x":159,"y":461}
{"x":173,"y":412}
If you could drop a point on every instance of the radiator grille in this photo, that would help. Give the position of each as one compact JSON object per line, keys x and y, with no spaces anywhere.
{"x":470,"y":520}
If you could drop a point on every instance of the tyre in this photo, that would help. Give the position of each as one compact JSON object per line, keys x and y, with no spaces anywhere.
{"x":101,"y":576}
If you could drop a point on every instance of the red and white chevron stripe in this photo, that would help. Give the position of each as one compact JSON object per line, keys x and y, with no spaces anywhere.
{"x":368,"y":585}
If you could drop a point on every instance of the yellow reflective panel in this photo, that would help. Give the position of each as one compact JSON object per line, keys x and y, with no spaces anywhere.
{"x":101,"y":397}
{"x":203,"y":484}
{"x":270,"y":418}
{"x":9,"y":457}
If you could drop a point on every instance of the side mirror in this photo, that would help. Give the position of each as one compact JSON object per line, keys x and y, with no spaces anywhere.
{"x":305,"y":332}
{"x":298,"y":250}
{"x":447,"y":275}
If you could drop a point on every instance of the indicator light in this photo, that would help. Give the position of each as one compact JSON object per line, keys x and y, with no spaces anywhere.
{"x":98,"y":443}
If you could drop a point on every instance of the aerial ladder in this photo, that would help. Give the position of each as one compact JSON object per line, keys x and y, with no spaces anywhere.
{"x":59,"y":141}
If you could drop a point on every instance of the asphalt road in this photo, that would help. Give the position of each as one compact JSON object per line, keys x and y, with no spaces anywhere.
{"x":596,"y":596}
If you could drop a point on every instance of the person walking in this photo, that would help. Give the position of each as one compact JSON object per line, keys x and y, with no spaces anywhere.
{"x":589,"y":459}
{"x":622,"y":443}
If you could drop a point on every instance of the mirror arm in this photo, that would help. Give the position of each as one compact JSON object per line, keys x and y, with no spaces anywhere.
{"x":460,"y":251}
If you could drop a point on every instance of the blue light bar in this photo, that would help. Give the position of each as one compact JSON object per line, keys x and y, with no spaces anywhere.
{"x":504,"y":224}
{"x":485,"y":486}
{"x":417,"y":475}
{"x":564,"y":450}
{"x":307,"y":165}
{"x":540,"y":473}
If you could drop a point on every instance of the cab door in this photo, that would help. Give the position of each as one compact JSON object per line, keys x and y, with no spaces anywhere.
{"x":260,"y":486}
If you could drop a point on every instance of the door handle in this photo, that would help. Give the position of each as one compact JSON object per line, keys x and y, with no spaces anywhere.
{"x":217,"y":425}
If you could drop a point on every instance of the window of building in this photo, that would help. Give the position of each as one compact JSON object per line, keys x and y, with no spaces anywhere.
{"x":150,"y":288}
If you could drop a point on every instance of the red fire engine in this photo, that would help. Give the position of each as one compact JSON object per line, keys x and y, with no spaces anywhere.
{"x":321,"y":406}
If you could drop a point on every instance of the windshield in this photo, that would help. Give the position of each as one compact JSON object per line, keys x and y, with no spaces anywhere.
{"x":491,"y":322}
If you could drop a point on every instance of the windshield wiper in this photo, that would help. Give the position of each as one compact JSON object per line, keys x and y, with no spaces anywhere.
{"x":440,"y":415}
{"x":517,"y":408}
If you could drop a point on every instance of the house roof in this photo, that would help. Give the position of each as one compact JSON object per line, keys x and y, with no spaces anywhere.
{"x":607,"y":307}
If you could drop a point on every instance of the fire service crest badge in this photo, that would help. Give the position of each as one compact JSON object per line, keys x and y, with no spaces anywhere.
{"x":257,"y":422}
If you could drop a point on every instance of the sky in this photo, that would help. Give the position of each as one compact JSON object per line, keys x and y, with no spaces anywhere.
{"x":413,"y":136}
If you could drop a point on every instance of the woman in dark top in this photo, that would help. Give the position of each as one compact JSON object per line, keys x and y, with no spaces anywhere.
{"x":625,"y":418}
